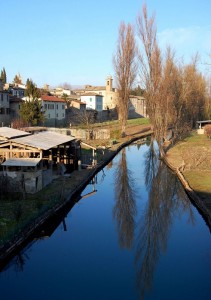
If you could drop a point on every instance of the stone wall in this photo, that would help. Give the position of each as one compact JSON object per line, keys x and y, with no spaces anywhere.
{"x":30,"y":181}
{"x":47,"y":177}
{"x":83,"y":134}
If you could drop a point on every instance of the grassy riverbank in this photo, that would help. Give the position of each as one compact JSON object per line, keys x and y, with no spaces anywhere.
{"x":194,"y":155}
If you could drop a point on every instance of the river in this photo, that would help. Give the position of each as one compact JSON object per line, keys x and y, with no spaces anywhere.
{"x":134,"y":234}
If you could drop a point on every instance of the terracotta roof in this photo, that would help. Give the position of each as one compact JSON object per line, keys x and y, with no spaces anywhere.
{"x":77,"y":101}
{"x":91,"y":94}
{"x":52,"y":99}
{"x":96,"y":88}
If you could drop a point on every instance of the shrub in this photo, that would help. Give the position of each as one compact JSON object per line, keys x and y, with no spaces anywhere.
{"x":207,"y":130}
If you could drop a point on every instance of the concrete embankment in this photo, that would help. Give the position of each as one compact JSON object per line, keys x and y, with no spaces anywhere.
{"x":71,"y":187}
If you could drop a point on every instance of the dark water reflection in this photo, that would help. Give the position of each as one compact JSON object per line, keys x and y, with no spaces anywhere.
{"x":137,"y":237}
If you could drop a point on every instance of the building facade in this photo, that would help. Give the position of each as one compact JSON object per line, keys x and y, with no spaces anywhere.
{"x":93,"y":101}
{"x":54,"y":110}
{"x":4,"y":106}
{"x":137,"y":107}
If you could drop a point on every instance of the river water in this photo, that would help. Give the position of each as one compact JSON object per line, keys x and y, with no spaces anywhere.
{"x":134,"y":234}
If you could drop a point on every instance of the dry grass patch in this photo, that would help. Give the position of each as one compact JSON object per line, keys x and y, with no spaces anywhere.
{"x":195,"y":153}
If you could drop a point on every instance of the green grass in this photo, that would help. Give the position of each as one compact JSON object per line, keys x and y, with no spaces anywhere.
{"x":138,"y":121}
{"x":200,"y":181}
{"x":16,"y":214}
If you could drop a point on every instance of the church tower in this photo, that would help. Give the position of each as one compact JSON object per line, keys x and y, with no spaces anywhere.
{"x":109,"y":82}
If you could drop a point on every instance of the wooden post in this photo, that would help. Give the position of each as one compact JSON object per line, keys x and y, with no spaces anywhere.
{"x":94,"y":162}
{"x":65,"y":155}
{"x":58,"y":154}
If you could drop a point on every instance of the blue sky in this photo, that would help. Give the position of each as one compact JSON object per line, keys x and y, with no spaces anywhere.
{"x":73,"y":41}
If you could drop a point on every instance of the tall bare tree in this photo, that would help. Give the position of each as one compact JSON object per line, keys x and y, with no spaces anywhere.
{"x":125,"y":66}
{"x":174,"y":92}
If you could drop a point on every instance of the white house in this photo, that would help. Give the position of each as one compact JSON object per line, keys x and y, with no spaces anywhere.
{"x":93,"y":101}
{"x":54,"y":110}
{"x":108,"y":92}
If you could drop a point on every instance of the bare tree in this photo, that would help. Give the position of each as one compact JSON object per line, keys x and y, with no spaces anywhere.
{"x":66,"y":86}
{"x":151,"y":70}
{"x":125,"y":67}
{"x":174,"y":92}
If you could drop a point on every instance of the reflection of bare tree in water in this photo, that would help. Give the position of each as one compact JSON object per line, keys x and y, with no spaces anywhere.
{"x":166,"y":197}
{"x":19,"y":261}
{"x":125,"y":207}
{"x":151,"y":163}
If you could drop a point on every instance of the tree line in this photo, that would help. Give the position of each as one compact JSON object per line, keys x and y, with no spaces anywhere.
{"x":175,"y":92}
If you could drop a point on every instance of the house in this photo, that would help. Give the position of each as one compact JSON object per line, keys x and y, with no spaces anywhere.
{"x":58,"y":92}
{"x":93,"y":101}
{"x":78,"y":104}
{"x":17,"y":91}
{"x":54,"y":110}
{"x":4,"y":106}
{"x":15,"y":105}
{"x":137,"y":107}
{"x":108,"y":93}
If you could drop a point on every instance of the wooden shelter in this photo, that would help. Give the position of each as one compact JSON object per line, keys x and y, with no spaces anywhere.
{"x":48,"y":146}
{"x":201,"y":125}
{"x":7,"y":133}
{"x":30,"y":159}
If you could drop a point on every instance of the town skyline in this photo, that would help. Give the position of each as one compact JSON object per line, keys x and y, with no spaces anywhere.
{"x":53,"y":43}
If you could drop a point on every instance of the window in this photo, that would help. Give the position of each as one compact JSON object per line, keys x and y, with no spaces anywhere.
{"x":90,"y":99}
{"x":50,"y":106}
{"x":7,"y":111}
{"x":45,"y":106}
{"x":63,"y":106}
{"x":2,"y":110}
{"x":57,"y":115}
{"x":57,"y":106}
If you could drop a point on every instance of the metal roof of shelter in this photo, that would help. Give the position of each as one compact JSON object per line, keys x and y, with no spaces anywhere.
{"x":206,"y":121}
{"x":9,"y":133}
{"x":44,"y":140}
{"x":21,"y":162}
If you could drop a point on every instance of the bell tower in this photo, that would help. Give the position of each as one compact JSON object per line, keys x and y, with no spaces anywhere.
{"x":109,"y":82}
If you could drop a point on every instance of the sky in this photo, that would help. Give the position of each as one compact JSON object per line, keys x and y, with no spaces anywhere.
{"x":73,"y":41}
